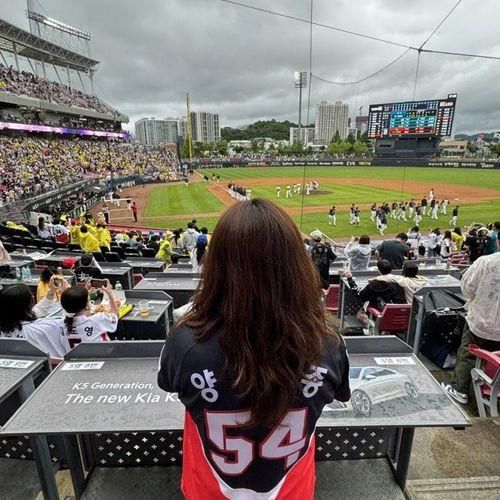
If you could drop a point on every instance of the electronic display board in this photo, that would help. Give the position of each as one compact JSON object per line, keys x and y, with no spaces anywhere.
{"x":412,"y":118}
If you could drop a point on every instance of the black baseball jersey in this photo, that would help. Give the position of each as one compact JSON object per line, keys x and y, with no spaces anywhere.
{"x":220,"y":458}
{"x":322,"y":256}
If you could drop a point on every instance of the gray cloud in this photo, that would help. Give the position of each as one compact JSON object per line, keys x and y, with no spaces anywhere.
{"x":240,"y":63}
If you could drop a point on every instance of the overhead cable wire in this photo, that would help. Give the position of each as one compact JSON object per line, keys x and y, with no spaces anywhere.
{"x":440,"y":24}
{"x":321,"y":25}
{"x":308,"y":104}
{"x":394,"y":61}
{"x":460,"y":54}
{"x":355,"y":33}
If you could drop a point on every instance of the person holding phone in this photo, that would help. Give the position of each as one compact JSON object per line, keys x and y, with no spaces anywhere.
{"x":79,"y":324}
{"x":88,"y":267}
{"x":254,"y":361}
{"x":21,"y":318}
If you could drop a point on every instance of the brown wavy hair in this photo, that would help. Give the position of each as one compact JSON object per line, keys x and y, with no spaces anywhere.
{"x":262,"y":294}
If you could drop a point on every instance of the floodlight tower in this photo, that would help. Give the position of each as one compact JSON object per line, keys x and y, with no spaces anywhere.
{"x":188,"y":125}
{"x":300,"y":83}
{"x":61,"y":34}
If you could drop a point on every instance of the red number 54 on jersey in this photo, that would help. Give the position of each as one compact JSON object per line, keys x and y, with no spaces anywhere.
{"x":285,"y":441}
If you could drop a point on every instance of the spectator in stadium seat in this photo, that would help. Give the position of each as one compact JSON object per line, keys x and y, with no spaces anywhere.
{"x":359,"y":253}
{"x":195,"y":227}
{"x":434,"y":243}
{"x":491,"y":239}
{"x":131,"y":240}
{"x":43,"y":285}
{"x":198,"y":253}
{"x":88,"y":267}
{"x":60,"y":232}
{"x":43,"y":229}
{"x":154,"y":242}
{"x":88,"y":242}
{"x":204,"y":230}
{"x":82,"y":326}
{"x":74,"y":232}
{"x":165,"y":250}
{"x":20,"y":317}
{"x":475,"y":244}
{"x":410,"y":282}
{"x":458,"y":239}
{"x":395,"y":251}
{"x":254,"y":354}
{"x":322,"y":256}
{"x":5,"y":258}
{"x":379,"y":291}
{"x":177,"y":237}
{"x":103,"y":236}
{"x":481,"y":287}
{"x":189,"y":238}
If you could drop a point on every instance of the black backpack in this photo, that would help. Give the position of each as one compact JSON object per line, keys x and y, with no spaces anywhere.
{"x":444,"y":321}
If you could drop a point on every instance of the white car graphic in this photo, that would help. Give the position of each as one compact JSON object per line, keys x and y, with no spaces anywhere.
{"x":374,"y":384}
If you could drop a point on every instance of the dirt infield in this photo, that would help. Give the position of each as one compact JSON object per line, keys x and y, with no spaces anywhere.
{"x":141,"y":194}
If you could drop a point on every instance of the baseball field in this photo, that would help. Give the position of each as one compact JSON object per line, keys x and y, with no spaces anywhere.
{"x":477,"y":192}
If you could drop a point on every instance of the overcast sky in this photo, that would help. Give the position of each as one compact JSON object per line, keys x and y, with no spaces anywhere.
{"x":240,"y":63}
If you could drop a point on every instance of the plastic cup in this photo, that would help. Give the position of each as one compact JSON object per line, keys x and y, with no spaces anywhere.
{"x":143,"y":307}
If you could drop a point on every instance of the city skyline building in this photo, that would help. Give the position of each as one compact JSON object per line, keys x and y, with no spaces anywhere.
{"x":153,"y":131}
{"x":306,"y":135}
{"x":205,"y":127}
{"x":330,"y":119}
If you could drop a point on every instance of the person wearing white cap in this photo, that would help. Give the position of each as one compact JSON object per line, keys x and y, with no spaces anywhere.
{"x":322,"y":255}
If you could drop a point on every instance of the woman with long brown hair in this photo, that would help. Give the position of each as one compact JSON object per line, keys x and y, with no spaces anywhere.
{"x":254,"y":361}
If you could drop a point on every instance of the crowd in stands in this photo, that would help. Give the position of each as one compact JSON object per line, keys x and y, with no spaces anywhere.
{"x":30,"y":166}
{"x":282,"y":308}
{"x":242,"y":320}
{"x":24,"y":83}
{"x":33,"y":117}
{"x":269,"y":156}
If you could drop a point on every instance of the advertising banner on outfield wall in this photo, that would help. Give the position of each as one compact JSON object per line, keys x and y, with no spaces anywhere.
{"x":355,"y":163}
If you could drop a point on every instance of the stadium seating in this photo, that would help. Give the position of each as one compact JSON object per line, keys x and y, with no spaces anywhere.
{"x":28,"y":84}
{"x":332,"y":298}
{"x":395,"y":318}
{"x":31,"y":165}
{"x":486,"y":380}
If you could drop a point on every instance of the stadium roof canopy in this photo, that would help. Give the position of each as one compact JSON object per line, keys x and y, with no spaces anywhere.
{"x":24,"y":44}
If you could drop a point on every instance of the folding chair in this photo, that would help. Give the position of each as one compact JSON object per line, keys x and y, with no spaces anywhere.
{"x":332,"y":298}
{"x":112,"y":257}
{"x":148,"y":252}
{"x":395,"y":318}
{"x":486,"y":379}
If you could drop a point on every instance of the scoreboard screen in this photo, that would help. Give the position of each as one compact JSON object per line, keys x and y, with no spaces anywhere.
{"x":412,"y":118}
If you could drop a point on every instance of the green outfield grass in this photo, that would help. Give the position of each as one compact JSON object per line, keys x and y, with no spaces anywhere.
{"x":483,"y":212}
{"x":179,"y":199}
{"x":461,"y":176}
{"x":338,"y":194}
{"x":175,"y":205}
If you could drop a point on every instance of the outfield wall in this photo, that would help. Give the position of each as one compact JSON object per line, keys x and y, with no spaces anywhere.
{"x":350,"y":163}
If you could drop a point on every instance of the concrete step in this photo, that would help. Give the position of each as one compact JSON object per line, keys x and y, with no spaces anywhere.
{"x":463,"y":488}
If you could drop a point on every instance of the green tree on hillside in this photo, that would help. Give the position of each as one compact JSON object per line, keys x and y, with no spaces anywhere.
{"x":221,"y":147}
{"x":263,"y":128}
{"x":340,"y":148}
{"x":360,"y":148}
{"x":471,"y":147}
{"x":494,"y":147}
